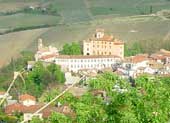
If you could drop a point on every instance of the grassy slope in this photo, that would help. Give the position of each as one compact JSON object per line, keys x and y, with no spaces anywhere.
{"x":126,"y":7}
{"x":13,"y":5}
{"x":13,"y":43}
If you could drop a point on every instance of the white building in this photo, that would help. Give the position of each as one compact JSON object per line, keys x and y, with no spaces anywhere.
{"x":78,"y":62}
{"x":27,"y":100}
{"x":44,"y":53}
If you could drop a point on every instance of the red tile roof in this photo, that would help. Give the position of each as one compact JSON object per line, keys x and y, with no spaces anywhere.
{"x":13,"y":108}
{"x":2,"y":92}
{"x":26,"y":97}
{"x":157,"y":57}
{"x":48,"y":56}
{"x":10,"y":109}
{"x":138,"y":58}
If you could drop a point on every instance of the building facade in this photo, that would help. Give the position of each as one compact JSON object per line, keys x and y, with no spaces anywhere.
{"x":103,"y":44}
{"x":27,"y":100}
{"x":45,"y":53}
{"x":79,"y":62}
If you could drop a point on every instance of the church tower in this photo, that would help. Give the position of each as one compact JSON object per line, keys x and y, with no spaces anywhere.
{"x":40,"y":44}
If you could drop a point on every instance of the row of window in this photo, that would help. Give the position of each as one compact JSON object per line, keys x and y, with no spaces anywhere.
{"x":102,"y":46}
{"x":101,"y":53}
{"x":102,"y":42}
{"x":85,"y":60}
{"x":90,"y":66}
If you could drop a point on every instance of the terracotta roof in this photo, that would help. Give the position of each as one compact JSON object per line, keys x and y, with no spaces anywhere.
{"x":10,"y":109}
{"x":2,"y":92}
{"x":48,"y":56}
{"x":26,"y":96}
{"x":13,"y":108}
{"x":86,"y":56}
{"x":158,"y":57}
{"x":137,"y":58}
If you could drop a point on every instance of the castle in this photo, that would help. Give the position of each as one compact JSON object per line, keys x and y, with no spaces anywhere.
{"x":103,"y":44}
{"x":99,"y":52}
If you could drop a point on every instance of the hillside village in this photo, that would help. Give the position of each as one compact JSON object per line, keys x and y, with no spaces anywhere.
{"x":101,"y":52}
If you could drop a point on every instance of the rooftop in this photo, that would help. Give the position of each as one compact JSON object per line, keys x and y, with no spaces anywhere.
{"x":105,"y":37}
{"x":2,"y":92}
{"x":48,"y":56}
{"x":26,"y":97}
{"x":137,"y":58}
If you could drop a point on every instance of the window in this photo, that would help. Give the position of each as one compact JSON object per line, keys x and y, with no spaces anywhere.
{"x":110,"y":53}
{"x":87,"y":49}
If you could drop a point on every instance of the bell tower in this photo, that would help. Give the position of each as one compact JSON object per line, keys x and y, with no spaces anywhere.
{"x":40,"y":44}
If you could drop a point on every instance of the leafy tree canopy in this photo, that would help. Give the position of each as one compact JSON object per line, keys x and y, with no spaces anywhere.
{"x":72,"y":49}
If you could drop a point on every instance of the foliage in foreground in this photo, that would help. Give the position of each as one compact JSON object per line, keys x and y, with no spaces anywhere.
{"x":38,"y":79}
{"x":147,"y":102}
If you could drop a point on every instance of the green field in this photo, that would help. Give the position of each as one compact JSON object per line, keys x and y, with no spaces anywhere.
{"x":13,"y":5}
{"x":27,"y":20}
{"x":126,"y":7}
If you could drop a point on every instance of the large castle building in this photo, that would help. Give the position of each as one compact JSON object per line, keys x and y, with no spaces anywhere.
{"x":103,"y":44}
{"x":99,"y":52}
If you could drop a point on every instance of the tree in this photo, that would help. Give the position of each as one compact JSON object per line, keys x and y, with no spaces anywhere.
{"x":59,"y":118}
{"x":71,"y":49}
{"x":36,"y":120}
{"x":39,"y":74}
{"x":56,"y":72}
